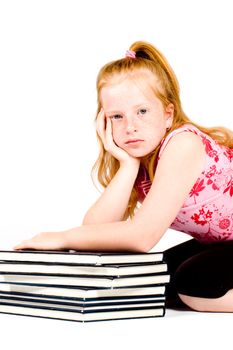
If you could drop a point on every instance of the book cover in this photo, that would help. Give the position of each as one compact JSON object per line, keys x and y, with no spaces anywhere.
{"x":85,"y":281}
{"x":80,"y":307}
{"x":109,"y":300}
{"x":84,"y":303}
{"x":75,"y":257}
{"x":82,"y":293}
{"x":74,"y":269}
{"x":83,"y":316}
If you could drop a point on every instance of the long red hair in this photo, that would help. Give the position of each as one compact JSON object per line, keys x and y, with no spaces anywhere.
{"x":166,"y":87}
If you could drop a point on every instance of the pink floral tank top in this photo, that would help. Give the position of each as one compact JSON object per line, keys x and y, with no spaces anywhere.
{"x":207,"y":213}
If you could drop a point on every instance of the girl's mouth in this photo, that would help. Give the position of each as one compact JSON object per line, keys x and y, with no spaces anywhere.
{"x":133,"y":142}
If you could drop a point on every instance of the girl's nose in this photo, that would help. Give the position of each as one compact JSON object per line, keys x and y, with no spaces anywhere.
{"x":130,"y":126}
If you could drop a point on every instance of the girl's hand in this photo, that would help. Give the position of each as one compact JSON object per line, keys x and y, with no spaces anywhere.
{"x":45,"y":241}
{"x":105,"y":133}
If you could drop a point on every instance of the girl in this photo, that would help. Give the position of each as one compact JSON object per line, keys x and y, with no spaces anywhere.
{"x":180,"y":173}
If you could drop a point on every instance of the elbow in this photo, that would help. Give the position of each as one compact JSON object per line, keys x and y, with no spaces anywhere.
{"x":145,"y":239}
{"x":144,"y":244}
{"x":139,"y":249}
{"x":85,"y":221}
{"x":88,"y":219}
{"x":143,"y":248}
{"x":146,"y":247}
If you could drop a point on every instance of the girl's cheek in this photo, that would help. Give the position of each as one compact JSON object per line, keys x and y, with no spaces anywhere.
{"x":116,"y":135}
{"x":115,"y":130}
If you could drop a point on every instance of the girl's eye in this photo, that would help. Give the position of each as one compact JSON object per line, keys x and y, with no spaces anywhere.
{"x":116,"y":116}
{"x":142,"y":111}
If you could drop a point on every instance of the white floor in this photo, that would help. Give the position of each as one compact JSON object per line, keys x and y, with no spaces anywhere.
{"x":51,"y":52}
{"x":178,"y":329}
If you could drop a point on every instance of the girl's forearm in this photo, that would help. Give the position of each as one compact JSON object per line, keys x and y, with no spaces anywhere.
{"x":128,"y":236}
{"x":118,"y":236}
{"x":112,"y":204}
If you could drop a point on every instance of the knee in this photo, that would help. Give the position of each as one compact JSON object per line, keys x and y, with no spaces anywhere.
{"x":193,"y":280}
{"x":192,"y":302}
{"x":221,"y":304}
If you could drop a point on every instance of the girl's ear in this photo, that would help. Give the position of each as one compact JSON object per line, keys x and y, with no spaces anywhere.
{"x":169,"y":112}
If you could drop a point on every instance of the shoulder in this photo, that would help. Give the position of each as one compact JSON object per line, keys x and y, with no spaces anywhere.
{"x":184,"y":144}
{"x":177,"y":170}
{"x":182,"y":162}
{"x":188,"y":137}
{"x":186,"y":134}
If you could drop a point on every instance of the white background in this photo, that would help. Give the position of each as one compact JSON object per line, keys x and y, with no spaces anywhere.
{"x":50,"y":54}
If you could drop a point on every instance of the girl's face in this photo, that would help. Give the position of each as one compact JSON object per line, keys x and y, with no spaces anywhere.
{"x":139,"y":120}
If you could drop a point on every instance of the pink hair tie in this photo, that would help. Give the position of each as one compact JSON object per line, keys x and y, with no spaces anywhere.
{"x":130,"y":53}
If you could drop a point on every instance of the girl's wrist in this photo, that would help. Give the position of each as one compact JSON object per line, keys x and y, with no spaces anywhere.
{"x":130,"y":163}
{"x":68,"y":238}
{"x":74,"y":238}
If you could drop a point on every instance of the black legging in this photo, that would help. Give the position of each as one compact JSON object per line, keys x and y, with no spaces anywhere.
{"x":199,"y":270}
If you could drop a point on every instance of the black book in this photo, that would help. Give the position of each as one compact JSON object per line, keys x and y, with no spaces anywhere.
{"x":82,"y":293}
{"x":86,"y":315}
{"x":82,"y":286}
{"x":74,"y":257}
{"x":75,"y":269}
{"x":80,"y":307}
{"x":99,"y":303}
{"x":85,"y":281}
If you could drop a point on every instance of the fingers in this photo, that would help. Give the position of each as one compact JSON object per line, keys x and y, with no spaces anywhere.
{"x":108,"y":135}
{"x":104,"y":130}
{"x":23,"y":245}
{"x":100,"y":124}
{"x":44,"y":241}
{"x":28,"y":243}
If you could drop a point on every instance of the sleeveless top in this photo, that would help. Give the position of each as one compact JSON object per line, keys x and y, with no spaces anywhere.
{"x":207,"y":213}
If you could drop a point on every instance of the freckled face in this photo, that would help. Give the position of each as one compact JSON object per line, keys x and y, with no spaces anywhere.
{"x":139,"y":120}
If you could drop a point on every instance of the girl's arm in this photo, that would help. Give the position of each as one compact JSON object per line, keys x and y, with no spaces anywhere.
{"x":112,"y":204}
{"x":178,"y":169}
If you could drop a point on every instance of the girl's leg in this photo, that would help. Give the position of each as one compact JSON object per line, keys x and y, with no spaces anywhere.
{"x":221,"y":304}
{"x":204,"y":282}
{"x":174,"y":257}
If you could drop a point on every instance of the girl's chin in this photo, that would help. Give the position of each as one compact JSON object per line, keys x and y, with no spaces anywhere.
{"x":138,"y":154}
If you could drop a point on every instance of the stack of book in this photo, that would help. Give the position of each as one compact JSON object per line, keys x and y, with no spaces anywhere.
{"x":81,"y":286}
